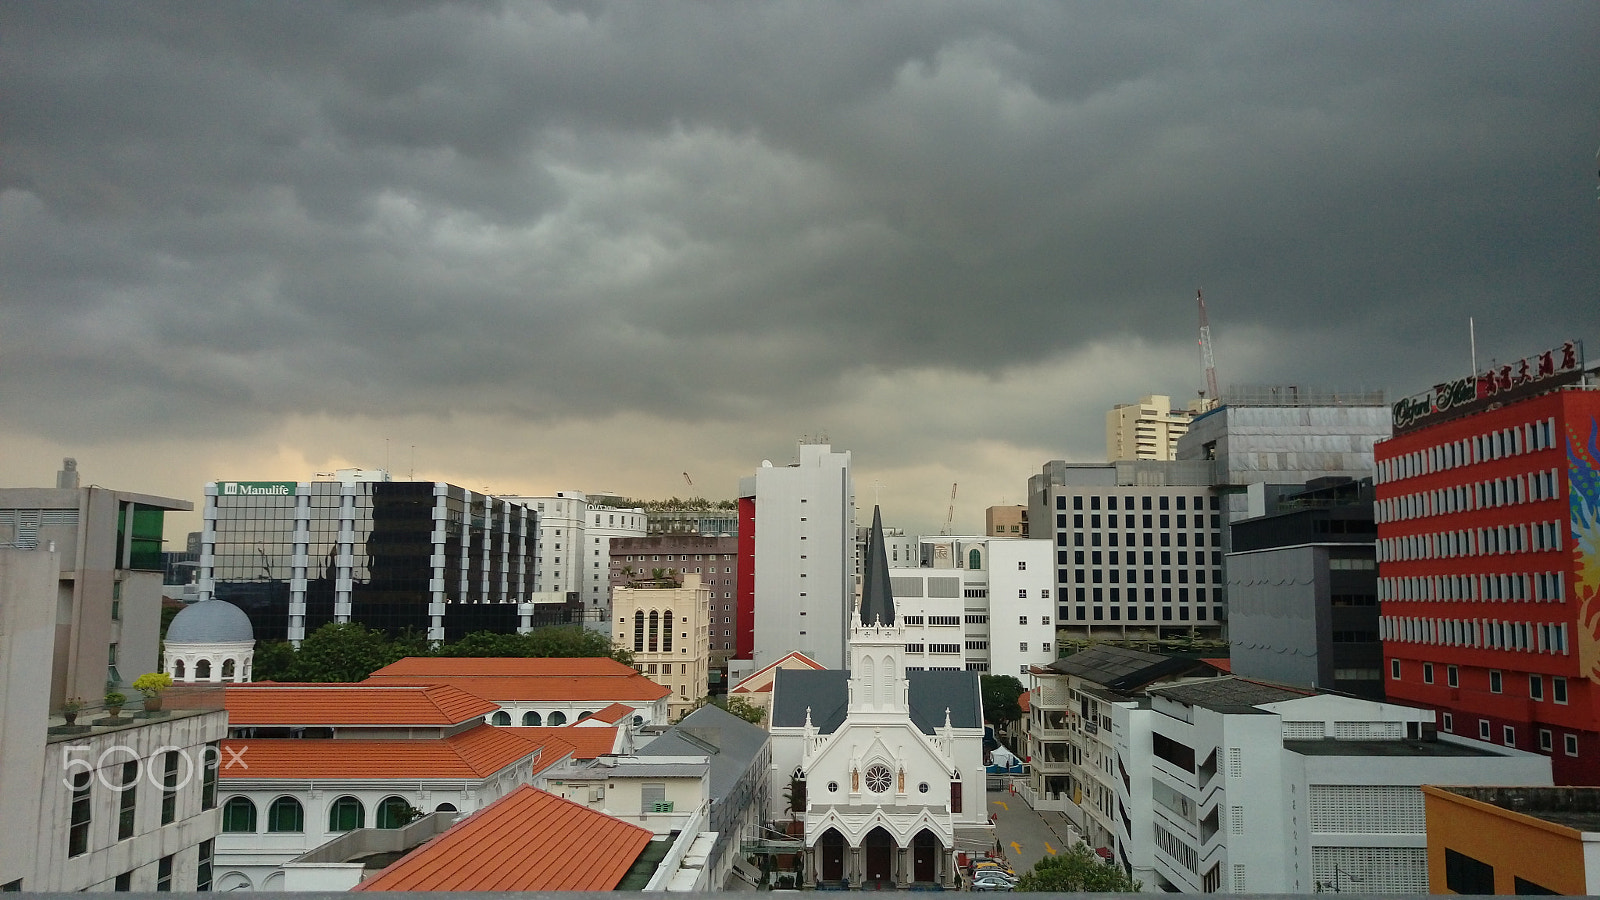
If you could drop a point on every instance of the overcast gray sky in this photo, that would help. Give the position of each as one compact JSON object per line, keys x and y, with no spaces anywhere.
{"x":545,"y":246}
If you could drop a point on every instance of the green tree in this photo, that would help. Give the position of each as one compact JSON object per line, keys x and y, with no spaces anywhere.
{"x":341,"y":652}
{"x":487,"y":643}
{"x":274,"y":661}
{"x":1078,"y":870}
{"x":1000,"y":696}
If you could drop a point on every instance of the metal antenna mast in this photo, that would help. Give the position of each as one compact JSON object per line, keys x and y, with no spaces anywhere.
{"x":1206,"y":359}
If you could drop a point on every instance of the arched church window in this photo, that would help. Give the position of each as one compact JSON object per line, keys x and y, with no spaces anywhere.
{"x":666,"y":632}
{"x":974,"y":559}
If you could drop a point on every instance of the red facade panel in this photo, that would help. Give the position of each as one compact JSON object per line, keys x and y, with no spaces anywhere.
{"x":1488,"y":575}
{"x":745,"y":623}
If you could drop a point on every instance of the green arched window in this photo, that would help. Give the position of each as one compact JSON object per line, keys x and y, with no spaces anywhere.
{"x":238,"y":815}
{"x":286,"y":816}
{"x":975,"y":559}
{"x":346,"y":814}
{"x":395,"y":812}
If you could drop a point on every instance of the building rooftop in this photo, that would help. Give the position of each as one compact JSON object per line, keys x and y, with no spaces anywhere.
{"x":1230,"y":694}
{"x":1125,"y":669}
{"x":612,"y":714}
{"x":583,"y":680}
{"x":760,"y":680}
{"x":586,"y":743}
{"x":294,"y":705}
{"x":826,"y":693}
{"x":1574,"y":807}
{"x":528,"y":840}
{"x":729,"y":743}
{"x":1406,"y":748}
{"x":475,"y":753}
{"x":210,"y":622}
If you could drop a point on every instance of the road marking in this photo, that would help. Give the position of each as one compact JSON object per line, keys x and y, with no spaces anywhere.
{"x":1002,"y":805}
{"x":1017,"y":847}
{"x":1049,"y":849}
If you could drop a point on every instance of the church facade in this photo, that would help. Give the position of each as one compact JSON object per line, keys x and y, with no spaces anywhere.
{"x":884,"y":766}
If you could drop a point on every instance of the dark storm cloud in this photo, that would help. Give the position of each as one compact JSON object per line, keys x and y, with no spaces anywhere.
{"x":241,"y":210}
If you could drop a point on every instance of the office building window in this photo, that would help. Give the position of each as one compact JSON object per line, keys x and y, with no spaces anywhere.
{"x":78,"y":829}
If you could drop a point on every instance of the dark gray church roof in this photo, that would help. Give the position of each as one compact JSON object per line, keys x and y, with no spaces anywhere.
{"x":877,"y":600}
{"x":826,"y":692}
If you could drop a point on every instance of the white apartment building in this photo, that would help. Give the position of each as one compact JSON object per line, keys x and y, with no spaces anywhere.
{"x":1236,"y":786}
{"x":804,"y":542}
{"x":574,"y":548}
{"x":992,"y":613}
{"x":1148,"y":429}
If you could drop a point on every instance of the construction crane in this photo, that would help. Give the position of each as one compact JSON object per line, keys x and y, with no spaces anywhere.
{"x":1206,"y":360}
{"x":950,"y":514}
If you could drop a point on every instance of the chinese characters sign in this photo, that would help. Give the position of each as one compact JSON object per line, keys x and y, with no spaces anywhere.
{"x":1499,"y":384}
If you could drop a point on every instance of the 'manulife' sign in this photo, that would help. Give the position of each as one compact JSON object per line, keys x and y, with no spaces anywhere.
{"x":258,"y":488}
{"x":1499,"y":384}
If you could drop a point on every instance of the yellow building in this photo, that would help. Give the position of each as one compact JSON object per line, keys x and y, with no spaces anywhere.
{"x":1005,"y":521}
{"x":668,"y":629}
{"x":1513,"y":840}
{"x":1148,"y":429}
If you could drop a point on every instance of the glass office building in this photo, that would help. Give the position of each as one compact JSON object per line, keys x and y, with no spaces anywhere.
{"x":388,"y":555}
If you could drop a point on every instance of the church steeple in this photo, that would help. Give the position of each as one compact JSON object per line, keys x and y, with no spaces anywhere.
{"x":877,"y":600}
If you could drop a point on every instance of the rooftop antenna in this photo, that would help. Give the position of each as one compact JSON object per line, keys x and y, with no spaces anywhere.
{"x":1206,"y":360}
{"x":1472,"y":338}
{"x":412,"y":475}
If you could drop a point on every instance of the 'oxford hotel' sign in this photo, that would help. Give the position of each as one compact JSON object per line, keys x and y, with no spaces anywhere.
{"x":1495,"y":385}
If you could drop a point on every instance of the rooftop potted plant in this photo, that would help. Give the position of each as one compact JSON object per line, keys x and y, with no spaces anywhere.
{"x":114,"y":701}
{"x":151,"y":684}
{"x":70,"y":709}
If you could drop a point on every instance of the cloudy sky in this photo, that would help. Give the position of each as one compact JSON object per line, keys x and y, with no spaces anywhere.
{"x":544,"y":246}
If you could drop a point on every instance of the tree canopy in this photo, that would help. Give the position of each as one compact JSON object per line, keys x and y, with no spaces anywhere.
{"x":1000,"y":698}
{"x":1078,"y":870}
{"x":346,"y":652}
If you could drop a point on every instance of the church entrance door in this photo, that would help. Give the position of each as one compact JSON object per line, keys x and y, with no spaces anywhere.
{"x":879,"y":849}
{"x":831,"y":848}
{"x":925,"y":857}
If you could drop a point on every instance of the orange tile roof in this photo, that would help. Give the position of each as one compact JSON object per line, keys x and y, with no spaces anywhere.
{"x":525,"y":688}
{"x":430,"y":666}
{"x":750,"y":685}
{"x":1025,"y":701}
{"x":586,"y":743}
{"x":528,"y":840}
{"x":352,"y":704}
{"x":475,"y":753}
{"x":1223,"y":664}
{"x":612,"y":714}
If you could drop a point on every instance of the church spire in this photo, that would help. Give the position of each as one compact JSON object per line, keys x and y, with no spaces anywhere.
{"x":877,"y":600}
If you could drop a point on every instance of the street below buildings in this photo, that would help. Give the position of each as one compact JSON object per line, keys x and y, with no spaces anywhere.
{"x":1026,"y":835}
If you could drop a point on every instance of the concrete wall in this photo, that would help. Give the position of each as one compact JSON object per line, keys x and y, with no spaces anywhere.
{"x":28,"y":580}
{"x":1273,"y":616}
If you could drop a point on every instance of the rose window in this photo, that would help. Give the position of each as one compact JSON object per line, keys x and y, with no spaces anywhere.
{"x":879,"y":778}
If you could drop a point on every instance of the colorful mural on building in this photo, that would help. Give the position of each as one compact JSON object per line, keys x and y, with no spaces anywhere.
{"x":1583,"y":481}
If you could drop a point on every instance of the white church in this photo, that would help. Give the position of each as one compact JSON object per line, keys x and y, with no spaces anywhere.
{"x":886,"y":764}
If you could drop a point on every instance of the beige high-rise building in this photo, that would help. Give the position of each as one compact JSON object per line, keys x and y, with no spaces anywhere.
{"x":1005,"y":521}
{"x":1148,"y":429}
{"x":668,"y":629}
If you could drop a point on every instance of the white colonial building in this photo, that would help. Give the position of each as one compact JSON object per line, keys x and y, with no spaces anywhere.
{"x":209,"y":641}
{"x":885,"y":764}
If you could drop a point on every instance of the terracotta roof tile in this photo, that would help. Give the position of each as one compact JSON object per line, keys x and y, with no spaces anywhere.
{"x":475,"y":753}
{"x":352,"y":704}
{"x":528,"y":840}
{"x":586,"y":743}
{"x":513,"y":688}
{"x":760,"y":681}
{"x":612,"y":714}
{"x":429,"y":666}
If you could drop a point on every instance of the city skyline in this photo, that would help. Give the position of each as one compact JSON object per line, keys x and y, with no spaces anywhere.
{"x":539,"y":247}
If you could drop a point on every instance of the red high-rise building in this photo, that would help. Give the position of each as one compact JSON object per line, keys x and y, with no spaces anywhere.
{"x":744,"y":642}
{"x":1488,"y":508}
